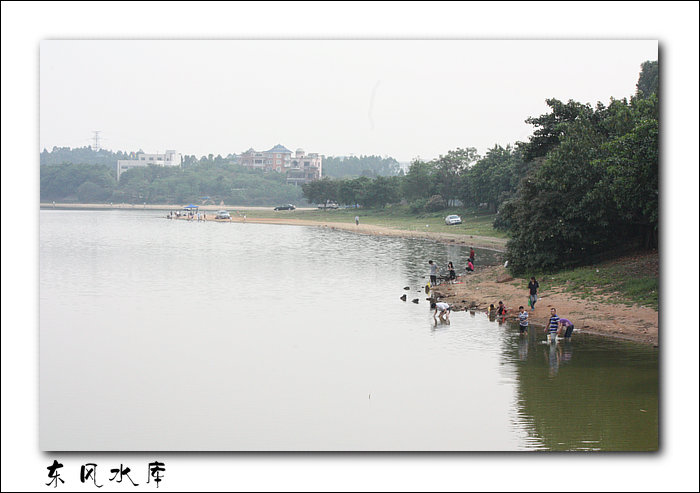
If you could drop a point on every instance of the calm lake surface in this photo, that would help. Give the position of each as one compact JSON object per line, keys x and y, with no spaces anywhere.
{"x":175,"y":335}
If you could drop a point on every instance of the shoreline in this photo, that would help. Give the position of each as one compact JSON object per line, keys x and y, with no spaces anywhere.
{"x":479,"y":289}
{"x":486,"y":242}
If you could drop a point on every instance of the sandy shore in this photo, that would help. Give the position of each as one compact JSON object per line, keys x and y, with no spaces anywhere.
{"x":487,"y":242}
{"x":491,"y":243}
{"x":482,"y":288}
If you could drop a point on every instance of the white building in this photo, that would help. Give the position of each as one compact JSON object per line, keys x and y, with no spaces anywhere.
{"x":170,"y":158}
{"x":304,"y":167}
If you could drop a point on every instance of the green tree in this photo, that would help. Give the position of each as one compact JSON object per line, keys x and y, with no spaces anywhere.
{"x":418,"y":182}
{"x":648,"y":82}
{"x":493,"y":178}
{"x":449,"y":170}
{"x":351,"y":192}
{"x":381,"y":191}
{"x":321,"y":191}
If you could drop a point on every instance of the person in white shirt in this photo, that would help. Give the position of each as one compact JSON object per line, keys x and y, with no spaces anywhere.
{"x":444,"y":310}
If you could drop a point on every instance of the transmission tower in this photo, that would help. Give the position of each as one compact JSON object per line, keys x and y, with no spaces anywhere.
{"x":96,"y":138}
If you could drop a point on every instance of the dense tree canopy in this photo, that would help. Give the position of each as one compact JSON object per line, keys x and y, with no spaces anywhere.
{"x":594,"y":193}
{"x":167,"y":185}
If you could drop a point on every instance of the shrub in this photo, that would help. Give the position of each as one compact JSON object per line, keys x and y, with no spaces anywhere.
{"x":417,"y":206}
{"x":436,"y":203}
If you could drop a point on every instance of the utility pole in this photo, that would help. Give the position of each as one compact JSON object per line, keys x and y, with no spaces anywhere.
{"x":96,"y":138}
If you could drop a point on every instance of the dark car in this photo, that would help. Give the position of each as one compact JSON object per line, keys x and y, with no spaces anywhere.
{"x":288,"y":207}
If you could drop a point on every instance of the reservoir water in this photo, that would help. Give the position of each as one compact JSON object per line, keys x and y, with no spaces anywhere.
{"x":181,"y":336}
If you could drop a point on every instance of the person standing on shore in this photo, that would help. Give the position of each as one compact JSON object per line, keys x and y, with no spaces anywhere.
{"x":444,"y":310}
{"x":433,"y":273}
{"x":565,"y":322}
{"x":533,"y":286}
{"x":522,"y":317}
{"x":553,"y":327}
{"x":453,"y":274}
{"x":472,"y":254}
{"x":357,"y":220}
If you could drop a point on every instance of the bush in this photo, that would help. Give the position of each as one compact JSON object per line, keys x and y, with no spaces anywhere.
{"x":504,"y":216}
{"x":92,"y":192}
{"x":417,"y":206}
{"x":436,"y":203}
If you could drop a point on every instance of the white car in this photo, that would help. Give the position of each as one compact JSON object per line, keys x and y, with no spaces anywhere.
{"x":453,"y":219}
{"x":223,"y":215}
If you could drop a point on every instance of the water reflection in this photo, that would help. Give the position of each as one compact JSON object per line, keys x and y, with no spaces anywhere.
{"x":605,"y":398}
{"x":273,"y":337}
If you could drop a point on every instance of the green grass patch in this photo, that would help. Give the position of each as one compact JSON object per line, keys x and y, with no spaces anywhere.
{"x":628,"y":280}
{"x":474,"y":222}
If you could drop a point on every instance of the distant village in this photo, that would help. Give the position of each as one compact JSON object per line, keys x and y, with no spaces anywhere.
{"x":298,"y":166}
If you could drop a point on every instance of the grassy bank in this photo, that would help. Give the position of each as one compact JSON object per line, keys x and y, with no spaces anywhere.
{"x":628,"y":280}
{"x":474,"y":222}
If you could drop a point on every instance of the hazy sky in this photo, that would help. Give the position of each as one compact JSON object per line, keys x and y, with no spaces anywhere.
{"x":392,"y":97}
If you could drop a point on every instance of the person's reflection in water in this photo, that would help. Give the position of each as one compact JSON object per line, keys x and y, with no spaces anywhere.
{"x":554,"y":359}
{"x":567,"y":352}
{"x":523,"y":346}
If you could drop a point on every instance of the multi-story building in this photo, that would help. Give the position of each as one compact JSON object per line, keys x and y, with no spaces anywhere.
{"x":301,"y":168}
{"x":276,"y":159}
{"x":170,"y":158}
{"x":304,"y":167}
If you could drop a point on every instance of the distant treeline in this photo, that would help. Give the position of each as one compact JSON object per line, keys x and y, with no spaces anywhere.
{"x":584,"y":186}
{"x":353,"y":167}
{"x":232,"y":184}
{"x":84,"y":175}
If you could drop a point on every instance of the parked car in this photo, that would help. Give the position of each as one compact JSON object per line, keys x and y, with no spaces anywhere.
{"x":223,"y":215}
{"x":288,"y":207}
{"x":453,"y":219}
{"x":329,"y":205}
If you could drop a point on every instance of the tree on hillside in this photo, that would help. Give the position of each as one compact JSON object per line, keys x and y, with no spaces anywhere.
{"x":648,"y":83}
{"x":550,"y":127}
{"x":595,"y":191}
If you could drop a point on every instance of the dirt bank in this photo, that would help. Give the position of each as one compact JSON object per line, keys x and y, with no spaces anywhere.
{"x":482,"y":288}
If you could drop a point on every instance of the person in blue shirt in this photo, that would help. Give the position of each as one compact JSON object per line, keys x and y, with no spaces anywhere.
{"x":553,"y":326}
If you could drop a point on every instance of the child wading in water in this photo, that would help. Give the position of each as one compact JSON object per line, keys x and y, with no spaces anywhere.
{"x":502,"y":310}
{"x":453,"y":274}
